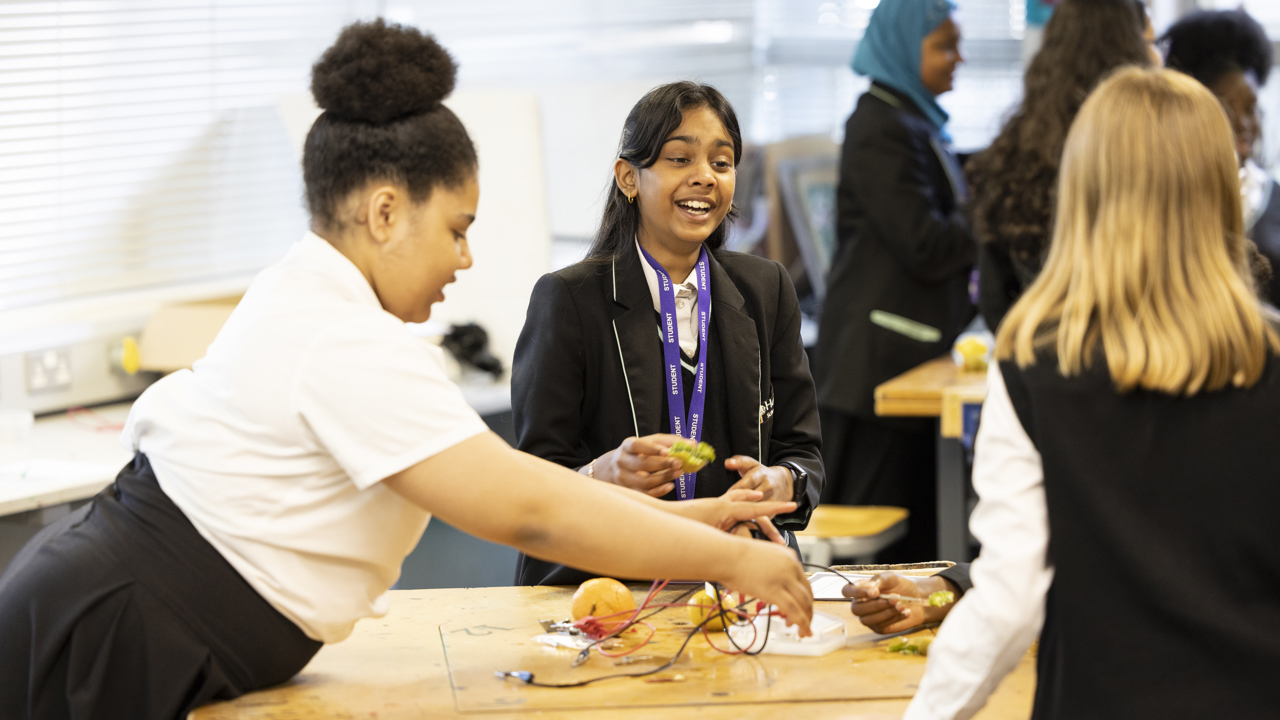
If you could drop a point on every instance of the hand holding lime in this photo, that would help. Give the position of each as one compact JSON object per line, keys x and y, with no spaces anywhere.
{"x":692,"y":458}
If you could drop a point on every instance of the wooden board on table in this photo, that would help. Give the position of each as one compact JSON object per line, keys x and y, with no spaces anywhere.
{"x":499,"y":641}
{"x":918,"y":392}
{"x":393,"y":668}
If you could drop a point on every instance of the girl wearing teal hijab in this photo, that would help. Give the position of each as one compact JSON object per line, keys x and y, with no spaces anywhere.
{"x":897,"y":294}
{"x":906,"y":47}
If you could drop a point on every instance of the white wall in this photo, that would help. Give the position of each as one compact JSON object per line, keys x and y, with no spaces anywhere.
{"x":584,"y":123}
{"x":511,"y":239}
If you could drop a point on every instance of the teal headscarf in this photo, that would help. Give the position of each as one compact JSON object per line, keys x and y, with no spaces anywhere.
{"x":890,"y":49}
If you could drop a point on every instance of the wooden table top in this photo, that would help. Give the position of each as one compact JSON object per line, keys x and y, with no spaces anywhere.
{"x":833,"y":521}
{"x":396,"y":668}
{"x":920,"y":391}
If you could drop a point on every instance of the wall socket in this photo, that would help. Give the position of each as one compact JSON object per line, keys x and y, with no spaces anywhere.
{"x":49,"y":370}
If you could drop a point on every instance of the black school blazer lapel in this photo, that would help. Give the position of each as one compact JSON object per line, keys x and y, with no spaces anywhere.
{"x":739,"y":341}
{"x":640,"y":352}
{"x":635,"y":332}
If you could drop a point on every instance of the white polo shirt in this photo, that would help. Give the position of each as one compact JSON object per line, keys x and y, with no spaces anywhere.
{"x":275,"y":444}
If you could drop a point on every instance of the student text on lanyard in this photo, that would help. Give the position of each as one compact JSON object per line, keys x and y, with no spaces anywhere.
{"x":671,"y":354}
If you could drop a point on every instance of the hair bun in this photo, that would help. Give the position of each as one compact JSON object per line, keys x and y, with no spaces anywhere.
{"x":377,"y":73}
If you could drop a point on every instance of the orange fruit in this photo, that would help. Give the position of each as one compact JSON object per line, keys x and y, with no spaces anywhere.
{"x":600,"y":597}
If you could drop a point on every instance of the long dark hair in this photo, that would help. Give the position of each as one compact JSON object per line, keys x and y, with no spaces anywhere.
{"x":648,"y":125}
{"x":1014,"y":180}
{"x":381,"y":87}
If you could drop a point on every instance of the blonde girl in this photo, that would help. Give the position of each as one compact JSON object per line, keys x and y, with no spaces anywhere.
{"x":1126,"y":459}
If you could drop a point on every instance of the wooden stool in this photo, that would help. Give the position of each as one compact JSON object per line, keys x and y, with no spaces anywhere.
{"x":844,"y":531}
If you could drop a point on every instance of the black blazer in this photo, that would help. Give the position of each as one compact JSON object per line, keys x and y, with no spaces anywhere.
{"x":1002,"y":279}
{"x":1265,"y":232}
{"x":588,"y":372}
{"x":904,"y":247}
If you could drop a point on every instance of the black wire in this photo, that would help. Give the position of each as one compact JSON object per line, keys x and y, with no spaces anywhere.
{"x":660,"y":668}
{"x":768,"y":625}
{"x":923,"y":626}
{"x":642,"y":673}
{"x":830,"y":570}
{"x":587,"y":650}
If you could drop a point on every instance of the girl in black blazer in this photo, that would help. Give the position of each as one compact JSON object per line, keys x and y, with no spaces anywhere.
{"x":898,"y":290}
{"x":595,"y":365}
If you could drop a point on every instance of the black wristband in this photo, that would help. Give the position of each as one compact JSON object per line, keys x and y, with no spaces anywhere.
{"x":799,"y":480}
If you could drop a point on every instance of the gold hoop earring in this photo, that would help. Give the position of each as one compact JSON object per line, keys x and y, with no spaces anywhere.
{"x":631,"y":199}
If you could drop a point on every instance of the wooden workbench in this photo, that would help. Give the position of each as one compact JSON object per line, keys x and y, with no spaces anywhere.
{"x":937,"y":388}
{"x":395,"y":668}
{"x":940,"y":389}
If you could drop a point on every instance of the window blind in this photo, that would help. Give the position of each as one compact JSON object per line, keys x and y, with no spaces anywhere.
{"x":806,"y":85}
{"x":139,"y":141}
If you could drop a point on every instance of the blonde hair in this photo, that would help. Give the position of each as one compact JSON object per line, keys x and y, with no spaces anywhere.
{"x":1148,"y":253}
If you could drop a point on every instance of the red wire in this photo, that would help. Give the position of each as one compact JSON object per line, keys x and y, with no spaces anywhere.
{"x":102,"y":422}
{"x":597,"y":630}
{"x":652,"y":632}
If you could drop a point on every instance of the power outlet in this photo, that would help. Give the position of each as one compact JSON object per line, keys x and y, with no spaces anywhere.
{"x":49,"y":370}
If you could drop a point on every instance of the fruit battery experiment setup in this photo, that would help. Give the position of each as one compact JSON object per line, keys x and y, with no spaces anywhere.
{"x":667,"y":645}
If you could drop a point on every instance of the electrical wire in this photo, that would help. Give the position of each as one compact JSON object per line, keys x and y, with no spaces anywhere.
{"x":931,"y":626}
{"x":527,"y":677}
{"x":93,"y":420}
{"x":719,"y":611}
{"x":830,"y":570}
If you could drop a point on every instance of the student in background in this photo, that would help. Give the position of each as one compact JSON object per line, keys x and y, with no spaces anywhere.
{"x":278,"y":486}
{"x":1230,"y":53}
{"x":1126,"y":459}
{"x":899,"y":285}
{"x":660,"y":324}
{"x":1014,"y":180}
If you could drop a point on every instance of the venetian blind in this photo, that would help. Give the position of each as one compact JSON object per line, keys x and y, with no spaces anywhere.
{"x":140,"y":144}
{"x":806,"y":47}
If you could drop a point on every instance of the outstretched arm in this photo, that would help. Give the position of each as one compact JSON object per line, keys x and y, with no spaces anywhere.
{"x":486,"y":488}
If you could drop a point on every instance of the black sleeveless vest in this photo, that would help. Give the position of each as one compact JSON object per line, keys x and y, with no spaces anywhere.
{"x":1164,"y":519}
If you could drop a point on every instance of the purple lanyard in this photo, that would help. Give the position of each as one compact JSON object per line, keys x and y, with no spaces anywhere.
{"x":671,"y":354}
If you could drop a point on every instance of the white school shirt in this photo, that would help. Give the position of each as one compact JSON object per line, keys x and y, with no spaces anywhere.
{"x":686,"y":306}
{"x":275,"y":443}
{"x":1255,"y":191}
{"x":990,"y":628}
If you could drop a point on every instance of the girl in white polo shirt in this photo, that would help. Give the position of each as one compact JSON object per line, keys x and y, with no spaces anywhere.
{"x":278,"y":486}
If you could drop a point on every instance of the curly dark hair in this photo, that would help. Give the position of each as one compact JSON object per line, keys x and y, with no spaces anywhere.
{"x":1015,"y":179}
{"x":1207,"y":44}
{"x":381,"y":86}
{"x":653,"y":118}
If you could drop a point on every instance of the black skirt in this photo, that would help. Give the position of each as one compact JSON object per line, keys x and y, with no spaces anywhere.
{"x":122,"y":610}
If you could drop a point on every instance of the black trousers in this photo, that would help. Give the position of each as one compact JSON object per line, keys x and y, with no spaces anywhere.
{"x":874,"y":462}
{"x":122,"y":610}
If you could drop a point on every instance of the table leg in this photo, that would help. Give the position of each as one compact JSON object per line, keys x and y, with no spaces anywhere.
{"x":953,"y":515}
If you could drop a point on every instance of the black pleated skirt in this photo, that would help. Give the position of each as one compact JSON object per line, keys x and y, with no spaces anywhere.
{"x":122,"y":610}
